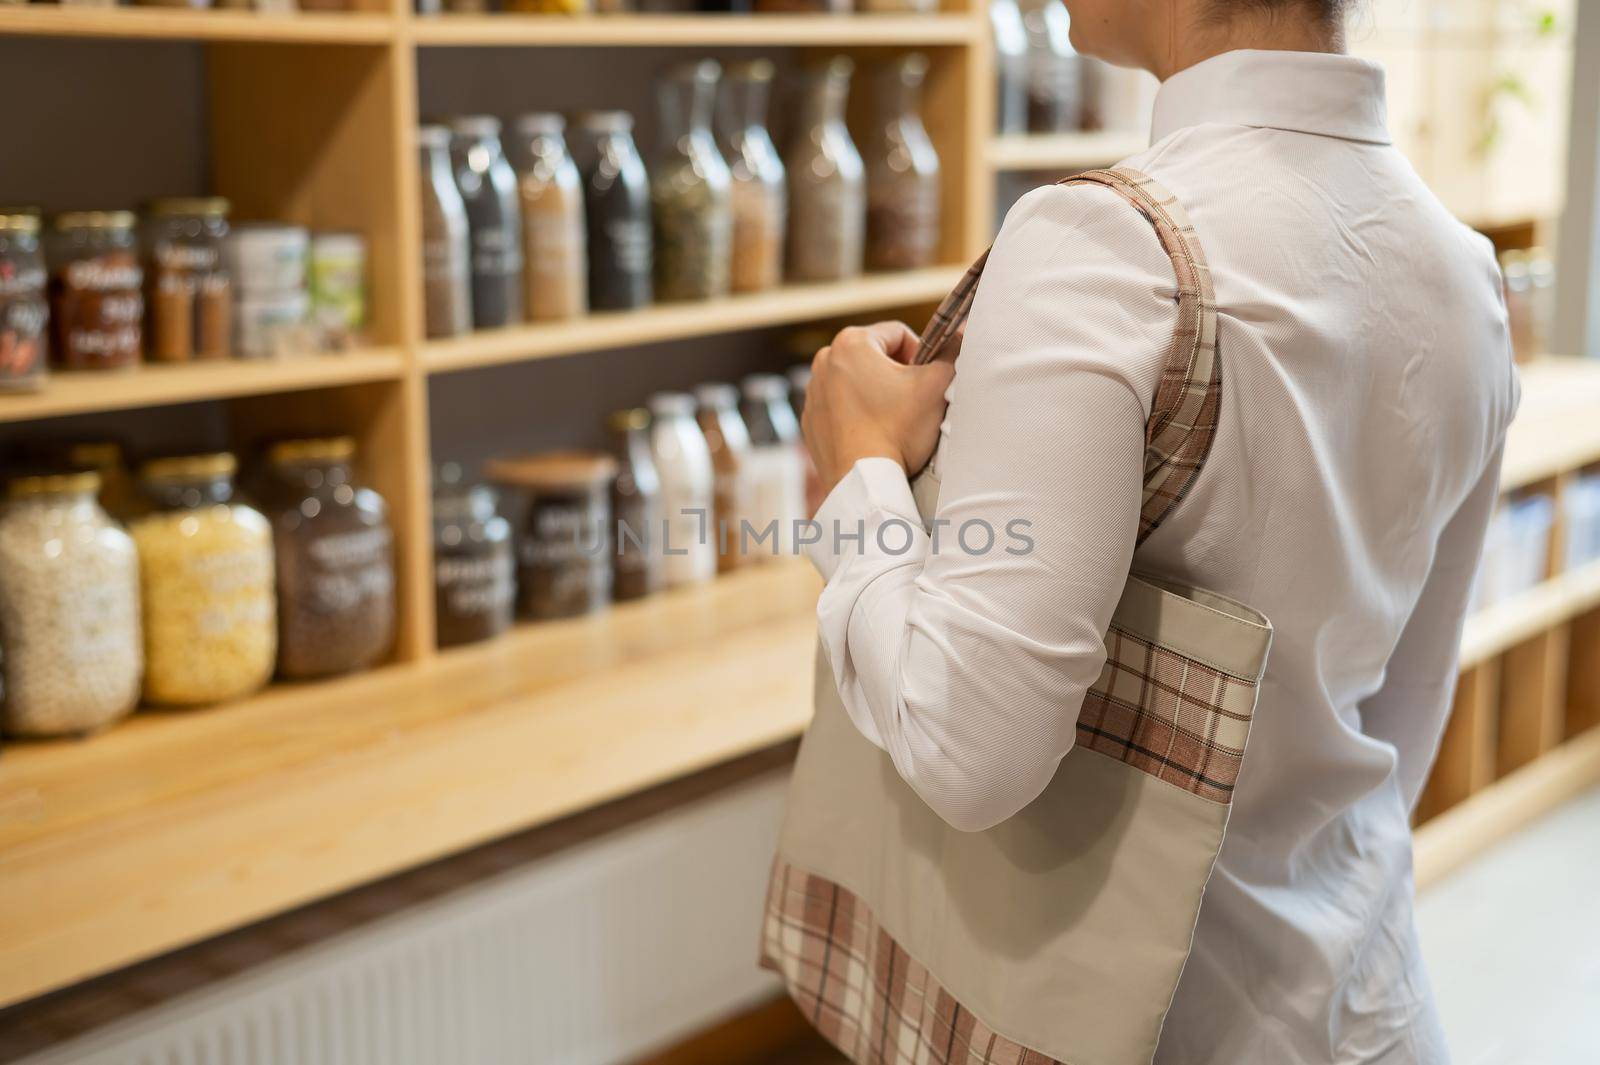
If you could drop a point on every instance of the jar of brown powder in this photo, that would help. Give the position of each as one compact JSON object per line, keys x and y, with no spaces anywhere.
{"x":187,"y":288}
{"x":96,"y":299}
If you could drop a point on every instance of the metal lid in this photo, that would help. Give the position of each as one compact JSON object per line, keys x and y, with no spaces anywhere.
{"x":189,"y":206}
{"x":312,"y":449}
{"x":605,"y":121}
{"x":49,"y":484}
{"x":540,"y":123}
{"x":95,"y":454}
{"x":695,"y":70}
{"x":764,"y":387}
{"x":475,"y":126}
{"x":189,"y":467}
{"x":554,"y":470}
{"x":716,"y":394}
{"x":672,"y":405}
{"x":750,"y":70}
{"x":94,"y":220}
{"x":628,"y":419}
{"x":19,"y":222}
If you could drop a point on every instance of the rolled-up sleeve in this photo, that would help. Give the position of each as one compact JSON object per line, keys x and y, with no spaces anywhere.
{"x":965,"y":651}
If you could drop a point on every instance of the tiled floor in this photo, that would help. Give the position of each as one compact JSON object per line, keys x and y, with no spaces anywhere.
{"x":1513,"y":945}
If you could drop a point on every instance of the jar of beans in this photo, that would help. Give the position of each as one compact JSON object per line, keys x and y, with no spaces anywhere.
{"x":564,"y":544}
{"x":336,"y":607}
{"x":69,"y":608}
{"x":23,"y":310}
{"x":473,"y":569}
{"x":206,"y":570}
{"x":188,"y":289}
{"x":96,"y":299}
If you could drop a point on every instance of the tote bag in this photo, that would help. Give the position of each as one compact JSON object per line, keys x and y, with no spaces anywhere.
{"x":1059,"y":935}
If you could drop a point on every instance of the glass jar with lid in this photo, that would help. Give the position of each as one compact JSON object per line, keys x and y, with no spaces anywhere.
{"x":636,"y":565}
{"x":474,"y":570}
{"x":206,"y":576}
{"x":564,"y":544}
{"x":446,"y":246}
{"x":494,"y":219}
{"x":188,"y":291}
{"x":556,"y":275}
{"x":777,"y":458}
{"x":69,"y":609}
{"x":24,"y":311}
{"x":616,"y":193}
{"x":1010,"y":41}
{"x":691,"y":189}
{"x":760,"y":188}
{"x":96,"y":291}
{"x":827,"y":182}
{"x":902,"y":173}
{"x":106,"y":458}
{"x":688,"y":485}
{"x":729,"y":443}
{"x":335,"y":559}
{"x":1054,"y":69}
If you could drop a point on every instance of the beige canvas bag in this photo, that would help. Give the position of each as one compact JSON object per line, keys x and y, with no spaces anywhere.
{"x":1057,"y":936}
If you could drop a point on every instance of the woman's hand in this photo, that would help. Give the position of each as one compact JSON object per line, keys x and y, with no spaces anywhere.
{"x":865,"y":401}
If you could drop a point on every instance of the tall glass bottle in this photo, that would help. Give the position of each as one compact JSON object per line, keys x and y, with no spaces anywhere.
{"x":489,"y":190}
{"x":616,"y":193}
{"x":556,"y":271}
{"x":683,"y":462}
{"x":637,"y":566}
{"x":446,"y":254}
{"x":827,"y":212}
{"x":759,"y":183}
{"x":729,"y":443}
{"x":1054,"y":69}
{"x":691,"y":189}
{"x":902,"y":173}
{"x":1011,"y":66}
{"x":777,"y":460}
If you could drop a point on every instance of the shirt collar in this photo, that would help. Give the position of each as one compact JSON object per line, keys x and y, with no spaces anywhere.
{"x":1306,"y":92}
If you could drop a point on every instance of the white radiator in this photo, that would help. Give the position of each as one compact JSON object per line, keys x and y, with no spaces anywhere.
{"x":597,"y":954}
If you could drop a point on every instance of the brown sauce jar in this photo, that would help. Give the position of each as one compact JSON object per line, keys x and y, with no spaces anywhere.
{"x":96,"y":302}
{"x":564,"y":544}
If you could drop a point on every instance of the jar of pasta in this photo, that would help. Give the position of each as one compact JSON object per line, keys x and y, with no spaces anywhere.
{"x":69,"y":608}
{"x":206,"y":570}
{"x":336,"y":608}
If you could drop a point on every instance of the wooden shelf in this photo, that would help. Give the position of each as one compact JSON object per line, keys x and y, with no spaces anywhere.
{"x":693,"y":30}
{"x":176,"y":826}
{"x":676,"y":321}
{"x":53,"y":20}
{"x":1556,"y":430}
{"x":154,"y":385}
{"x":1498,"y":628}
{"x":1063,"y":151}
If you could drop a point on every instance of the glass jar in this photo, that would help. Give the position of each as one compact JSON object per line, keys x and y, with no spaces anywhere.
{"x":800,"y":380}
{"x":616,"y":191}
{"x":902,"y":173}
{"x":1542,"y":296}
{"x":335,"y":554}
{"x":188,"y":291}
{"x":24,"y":311}
{"x":489,"y":191}
{"x":1054,"y":69}
{"x":206,"y":574}
{"x":554,"y":248}
{"x":564,"y":544}
{"x":96,"y":303}
{"x":474,"y":572}
{"x":446,"y":245}
{"x":827,"y":186}
{"x":636,"y":566}
{"x":69,"y":609}
{"x":683,"y":461}
{"x":777,"y":459}
{"x":1010,"y":40}
{"x":1519,"y":304}
{"x":105,"y":458}
{"x":759,"y":185}
{"x":691,"y":190}
{"x":336,"y":274}
{"x":729,"y":443}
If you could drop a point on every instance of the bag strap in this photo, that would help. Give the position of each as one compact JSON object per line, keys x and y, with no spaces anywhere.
{"x":1183,"y":417}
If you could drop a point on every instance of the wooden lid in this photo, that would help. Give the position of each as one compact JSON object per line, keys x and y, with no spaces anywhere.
{"x":553,"y":470}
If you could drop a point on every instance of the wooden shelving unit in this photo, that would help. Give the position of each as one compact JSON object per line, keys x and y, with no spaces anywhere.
{"x":602,"y":31}
{"x":1063,"y":152}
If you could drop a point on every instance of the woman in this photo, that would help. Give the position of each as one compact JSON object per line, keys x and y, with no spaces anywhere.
{"x":1367,"y":386}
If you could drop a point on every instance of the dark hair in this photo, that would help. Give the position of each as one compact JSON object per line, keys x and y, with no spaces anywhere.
{"x":1325,"y":10}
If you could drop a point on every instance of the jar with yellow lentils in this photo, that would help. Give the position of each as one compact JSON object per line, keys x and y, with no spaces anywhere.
{"x":206,"y":569}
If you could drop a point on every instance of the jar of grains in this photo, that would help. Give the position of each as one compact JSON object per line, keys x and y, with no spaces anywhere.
{"x":902,"y":173}
{"x":564,"y":544}
{"x":336,"y":606}
{"x":206,"y":569}
{"x":827,"y":181}
{"x":23,"y":309}
{"x":691,"y":189}
{"x":554,"y":247}
{"x":69,"y":608}
{"x":474,"y":573}
{"x":96,"y":299}
{"x":759,"y":184}
{"x":187,"y":287}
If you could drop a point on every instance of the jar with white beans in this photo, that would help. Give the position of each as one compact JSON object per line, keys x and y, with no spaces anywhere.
{"x":206,"y":564}
{"x":69,"y":609}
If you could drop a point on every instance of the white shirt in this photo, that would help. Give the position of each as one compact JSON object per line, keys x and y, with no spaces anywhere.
{"x":1367,"y":385}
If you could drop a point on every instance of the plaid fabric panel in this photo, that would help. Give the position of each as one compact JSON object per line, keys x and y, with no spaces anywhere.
{"x":861,"y":990}
{"x":1183,"y":417}
{"x":1169,"y":716}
